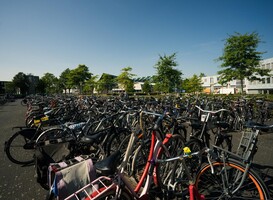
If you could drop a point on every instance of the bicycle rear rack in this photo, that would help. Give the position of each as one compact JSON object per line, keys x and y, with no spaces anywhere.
{"x":247,"y":143}
{"x":93,"y":190}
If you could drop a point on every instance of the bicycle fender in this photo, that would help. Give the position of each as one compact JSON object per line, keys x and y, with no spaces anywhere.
{"x":28,"y":133}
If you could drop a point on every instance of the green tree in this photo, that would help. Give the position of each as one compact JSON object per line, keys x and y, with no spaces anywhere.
{"x":64,"y":80}
{"x":106,"y":83}
{"x":79,"y":75}
{"x":167,"y":78}
{"x":10,"y":88}
{"x":241,"y":59}
{"x":146,"y":87}
{"x":125,"y":79}
{"x":41,"y":87}
{"x":90,"y":84}
{"x":193,"y":84}
{"x":20,"y":81}
{"x":50,"y":83}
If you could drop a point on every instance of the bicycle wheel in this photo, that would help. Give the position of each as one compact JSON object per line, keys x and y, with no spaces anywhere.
{"x":181,"y":130}
{"x":29,"y":121}
{"x":16,"y":147}
{"x":51,"y":134}
{"x":115,"y":141}
{"x":194,"y":163}
{"x":24,"y":102}
{"x":230,"y":173}
{"x":164,"y":169}
{"x":139,"y":159}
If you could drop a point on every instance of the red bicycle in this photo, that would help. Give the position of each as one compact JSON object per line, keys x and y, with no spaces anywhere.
{"x":122,"y":186}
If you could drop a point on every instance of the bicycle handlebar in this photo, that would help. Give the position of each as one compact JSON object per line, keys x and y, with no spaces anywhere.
{"x":212,"y":111}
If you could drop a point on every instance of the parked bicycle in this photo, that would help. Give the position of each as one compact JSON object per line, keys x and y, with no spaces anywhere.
{"x":119,"y":184}
{"x":225,"y":175}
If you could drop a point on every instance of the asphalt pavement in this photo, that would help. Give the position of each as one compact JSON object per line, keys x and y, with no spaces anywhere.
{"x":18,"y":182}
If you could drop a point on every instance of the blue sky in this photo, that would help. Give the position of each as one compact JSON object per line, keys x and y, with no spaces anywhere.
{"x":39,"y":36}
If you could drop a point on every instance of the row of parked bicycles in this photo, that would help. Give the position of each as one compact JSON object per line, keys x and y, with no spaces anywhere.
{"x":145,"y":148}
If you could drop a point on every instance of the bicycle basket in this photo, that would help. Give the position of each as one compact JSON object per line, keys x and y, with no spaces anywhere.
{"x":66,"y":177}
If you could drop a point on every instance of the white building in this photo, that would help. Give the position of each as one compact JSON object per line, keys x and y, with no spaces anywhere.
{"x":266,"y":85}
{"x":211,"y":85}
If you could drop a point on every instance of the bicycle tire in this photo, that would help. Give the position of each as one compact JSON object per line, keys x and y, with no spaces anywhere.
{"x":195,"y":145}
{"x":29,"y":121}
{"x":115,"y":140}
{"x":210,"y":184}
{"x":176,"y":180}
{"x":139,"y":159}
{"x":181,"y":130}
{"x":50,"y":134}
{"x":163,"y":170}
{"x":15,"y":150}
{"x":24,"y":102}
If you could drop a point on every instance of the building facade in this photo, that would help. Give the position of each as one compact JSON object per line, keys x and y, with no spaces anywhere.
{"x":33,"y":82}
{"x":266,"y":85}
{"x":211,"y":85}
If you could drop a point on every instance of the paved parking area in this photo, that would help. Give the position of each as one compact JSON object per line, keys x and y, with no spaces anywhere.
{"x":16,"y":182}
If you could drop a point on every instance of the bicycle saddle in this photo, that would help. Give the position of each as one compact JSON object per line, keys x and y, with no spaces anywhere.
{"x":90,"y":139}
{"x":108,"y":165}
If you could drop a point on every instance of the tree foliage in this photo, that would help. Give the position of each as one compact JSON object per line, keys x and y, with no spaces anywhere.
{"x":106,"y":83}
{"x":50,"y":82}
{"x":241,"y":59}
{"x":146,"y":87}
{"x":90,"y":85}
{"x":193,"y":84}
{"x":167,"y":78}
{"x":78,"y":76}
{"x":10,"y":88}
{"x":64,"y":81}
{"x":125,"y":79}
{"x":21,"y":81}
{"x":41,"y":87}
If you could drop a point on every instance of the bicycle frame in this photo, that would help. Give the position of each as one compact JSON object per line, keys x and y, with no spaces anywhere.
{"x":156,"y":147}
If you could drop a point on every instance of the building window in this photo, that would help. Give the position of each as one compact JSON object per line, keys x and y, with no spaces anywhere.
{"x":268,"y":80}
{"x":211,"y":80}
{"x":263,"y":81}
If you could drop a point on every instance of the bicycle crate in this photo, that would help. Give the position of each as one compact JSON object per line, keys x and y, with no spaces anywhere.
{"x":68,"y":176}
{"x":98,"y":188}
{"x":246,"y":143}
